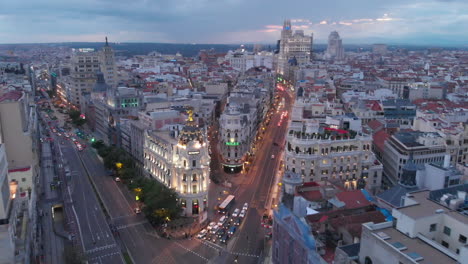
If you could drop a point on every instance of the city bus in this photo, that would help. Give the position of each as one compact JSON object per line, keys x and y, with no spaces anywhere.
{"x":226,"y":204}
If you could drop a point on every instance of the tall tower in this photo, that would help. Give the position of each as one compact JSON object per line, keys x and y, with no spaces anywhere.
{"x":294,"y":46}
{"x":335,"y":47}
{"x":108,"y":65}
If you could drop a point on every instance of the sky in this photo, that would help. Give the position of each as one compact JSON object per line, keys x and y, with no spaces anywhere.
{"x":426,"y":22}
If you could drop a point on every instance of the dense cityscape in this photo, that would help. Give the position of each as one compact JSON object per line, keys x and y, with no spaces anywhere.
{"x":258,"y":153}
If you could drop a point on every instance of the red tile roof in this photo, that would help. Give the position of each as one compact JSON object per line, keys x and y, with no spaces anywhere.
{"x":11,"y":96}
{"x":374,"y":124}
{"x":353,"y":199}
{"x":379,"y":139}
{"x":311,"y":195}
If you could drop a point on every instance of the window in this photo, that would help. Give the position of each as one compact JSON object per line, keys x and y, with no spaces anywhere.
{"x":445,"y":244}
{"x":447,"y":230}
{"x":194,"y":163}
{"x":433,"y":228}
{"x":462,"y":239}
{"x":194,"y":177}
{"x":184,"y":177}
{"x":23,"y":179}
{"x":194,"y":188}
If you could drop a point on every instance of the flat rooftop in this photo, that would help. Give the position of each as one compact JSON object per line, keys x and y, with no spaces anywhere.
{"x":425,"y":207}
{"x":414,"y":246}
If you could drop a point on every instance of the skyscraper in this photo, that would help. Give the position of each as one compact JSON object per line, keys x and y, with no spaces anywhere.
{"x":294,"y":46}
{"x":335,"y":47}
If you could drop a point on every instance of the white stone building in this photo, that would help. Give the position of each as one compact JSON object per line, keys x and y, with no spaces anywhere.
{"x":293,"y":45}
{"x":424,"y":230}
{"x":180,"y":160}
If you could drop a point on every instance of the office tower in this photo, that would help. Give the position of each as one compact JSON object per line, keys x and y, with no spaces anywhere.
{"x":335,"y":47}
{"x":108,"y":68}
{"x":294,"y":47}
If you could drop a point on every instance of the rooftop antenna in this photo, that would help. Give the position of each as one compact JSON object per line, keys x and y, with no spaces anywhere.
{"x":107,"y":44}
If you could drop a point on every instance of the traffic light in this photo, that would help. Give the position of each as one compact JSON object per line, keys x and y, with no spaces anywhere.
{"x":93,"y":140}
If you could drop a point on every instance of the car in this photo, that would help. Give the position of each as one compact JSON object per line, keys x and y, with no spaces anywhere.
{"x":272,"y":156}
{"x":227,"y":225}
{"x":222,"y":220}
{"x":220,"y":233}
{"x":242,"y":214}
{"x":137,"y":210}
{"x":236,"y":212}
{"x":73,"y":139}
{"x":245,"y":207}
{"x":214,"y":229}
{"x":202,"y":233}
{"x":224,"y":239}
{"x":59,"y":134}
{"x":232,"y":230}
{"x":80,"y":149}
{"x":117,"y":179}
{"x":237,"y":222}
{"x":213,"y":239}
{"x":211,"y":225}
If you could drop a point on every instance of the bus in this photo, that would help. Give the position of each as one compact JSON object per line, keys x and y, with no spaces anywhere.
{"x":226,"y":204}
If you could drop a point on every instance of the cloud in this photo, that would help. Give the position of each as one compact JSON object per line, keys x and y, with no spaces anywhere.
{"x":223,"y":21}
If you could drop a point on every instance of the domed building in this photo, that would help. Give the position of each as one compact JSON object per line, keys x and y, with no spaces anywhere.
{"x":180,"y":159}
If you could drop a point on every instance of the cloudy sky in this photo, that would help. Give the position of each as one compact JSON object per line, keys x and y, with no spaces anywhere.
{"x":233,"y":21}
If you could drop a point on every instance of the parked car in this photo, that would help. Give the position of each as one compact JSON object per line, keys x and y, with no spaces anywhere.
{"x":236,"y":212}
{"x":237,"y":222}
{"x":137,"y":210}
{"x":246,"y":206}
{"x":242,"y":214}
{"x":117,"y":179}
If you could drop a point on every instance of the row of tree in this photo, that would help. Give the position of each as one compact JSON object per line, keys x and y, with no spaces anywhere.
{"x":76,"y":118}
{"x":159,"y":203}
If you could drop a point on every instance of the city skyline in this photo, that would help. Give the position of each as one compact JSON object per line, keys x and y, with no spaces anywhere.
{"x":435,"y":22}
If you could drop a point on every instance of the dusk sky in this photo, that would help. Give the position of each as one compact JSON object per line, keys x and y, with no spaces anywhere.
{"x":233,"y":21}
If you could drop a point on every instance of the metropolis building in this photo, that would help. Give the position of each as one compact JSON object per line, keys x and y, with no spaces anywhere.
{"x":180,"y":160}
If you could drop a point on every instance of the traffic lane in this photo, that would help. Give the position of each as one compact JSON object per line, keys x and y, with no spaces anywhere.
{"x":107,"y":189}
{"x":123,"y":197}
{"x":97,"y":238}
{"x":87,"y":205}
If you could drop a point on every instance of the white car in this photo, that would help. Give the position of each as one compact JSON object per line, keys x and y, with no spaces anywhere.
{"x":117,"y":179}
{"x":272,"y":156}
{"x":242,"y":214}
{"x":236,"y":212}
{"x":214,"y":229}
{"x":202,"y":233}
{"x":211,"y":225}
{"x":246,"y":206}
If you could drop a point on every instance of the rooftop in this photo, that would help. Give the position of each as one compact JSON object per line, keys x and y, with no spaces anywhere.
{"x":424,"y":207}
{"x":411,"y":247}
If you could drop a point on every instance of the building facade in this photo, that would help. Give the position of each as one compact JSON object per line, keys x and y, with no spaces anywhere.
{"x":180,"y":160}
{"x":322,"y":153}
{"x":420,"y":147}
{"x":293,"y":46}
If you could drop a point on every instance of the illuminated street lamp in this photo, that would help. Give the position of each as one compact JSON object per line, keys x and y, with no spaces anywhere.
{"x":118,"y":165}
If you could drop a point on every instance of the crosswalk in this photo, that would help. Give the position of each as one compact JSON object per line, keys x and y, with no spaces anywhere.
{"x":94,"y":250}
